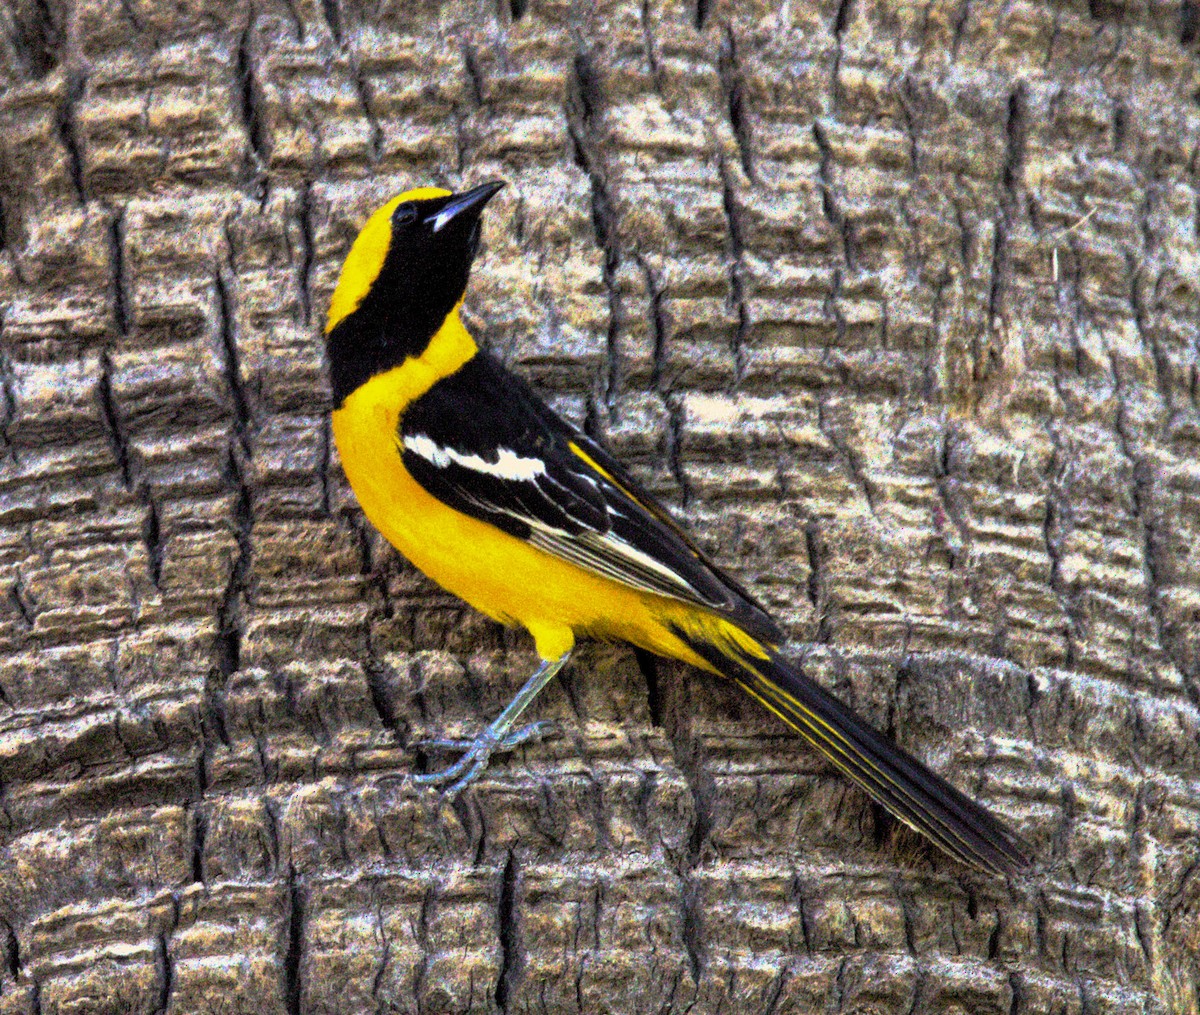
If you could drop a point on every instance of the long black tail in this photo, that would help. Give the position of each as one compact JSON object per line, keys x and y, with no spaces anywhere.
{"x":895,"y":779}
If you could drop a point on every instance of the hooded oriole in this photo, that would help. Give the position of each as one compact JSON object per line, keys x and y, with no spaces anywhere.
{"x":468,"y":473}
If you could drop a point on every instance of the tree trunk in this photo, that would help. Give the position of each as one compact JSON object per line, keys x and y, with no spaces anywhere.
{"x":894,"y":304}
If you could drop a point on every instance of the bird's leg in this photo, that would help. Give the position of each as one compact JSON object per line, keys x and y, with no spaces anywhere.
{"x":499,"y":736}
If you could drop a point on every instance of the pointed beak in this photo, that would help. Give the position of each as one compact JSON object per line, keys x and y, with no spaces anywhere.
{"x":467,"y":205}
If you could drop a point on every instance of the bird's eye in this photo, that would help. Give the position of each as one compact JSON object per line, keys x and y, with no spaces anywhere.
{"x":405,"y":214}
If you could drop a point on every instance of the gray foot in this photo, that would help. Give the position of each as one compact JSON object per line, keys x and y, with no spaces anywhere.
{"x":476,"y":755}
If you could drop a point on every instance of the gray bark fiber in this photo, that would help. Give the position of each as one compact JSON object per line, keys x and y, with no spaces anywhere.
{"x":894,"y":303}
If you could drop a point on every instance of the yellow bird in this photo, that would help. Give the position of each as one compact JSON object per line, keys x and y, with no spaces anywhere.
{"x":468,"y":473}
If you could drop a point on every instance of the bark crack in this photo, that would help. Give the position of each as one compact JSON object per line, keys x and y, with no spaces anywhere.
{"x":652,"y":62}
{"x":815,"y":585}
{"x":1136,"y":265}
{"x":293,"y":981}
{"x":840,"y":18}
{"x":797,"y":894}
{"x":120,"y":297}
{"x":474,"y":74}
{"x":37,"y":37}
{"x":226,"y":330}
{"x":583,"y":104}
{"x":12,"y":951}
{"x":512,"y":948}
{"x":379,"y":689}
{"x":385,"y":954}
{"x":648,"y":666}
{"x":119,"y":442}
{"x":304,"y":280}
{"x":737,"y":291}
{"x":152,"y":535}
{"x":675,"y":422}
{"x":846,"y":454}
{"x":366,"y":99}
{"x":8,"y":396}
{"x":730,"y":74}
{"x":833,"y":214}
{"x":324,"y":453}
{"x":113,"y":425}
{"x":164,"y":965}
{"x":424,"y":920}
{"x":658,"y":326}
{"x":199,"y":837}
{"x":692,"y":916}
{"x":1012,"y":180}
{"x":68,"y":132}
{"x":332,"y":13}
{"x":250,"y":104}
{"x":228,"y":641}
{"x":1189,"y":22}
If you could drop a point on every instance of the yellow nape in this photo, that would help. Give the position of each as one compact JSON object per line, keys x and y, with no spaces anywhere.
{"x":367,"y":255}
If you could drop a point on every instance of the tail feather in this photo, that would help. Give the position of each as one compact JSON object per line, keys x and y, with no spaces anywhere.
{"x":905,"y":787}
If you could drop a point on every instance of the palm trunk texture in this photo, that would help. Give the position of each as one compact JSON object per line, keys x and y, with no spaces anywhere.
{"x":895,"y":304}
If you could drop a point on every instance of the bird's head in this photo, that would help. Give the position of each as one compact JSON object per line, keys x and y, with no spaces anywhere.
{"x":406,"y":271}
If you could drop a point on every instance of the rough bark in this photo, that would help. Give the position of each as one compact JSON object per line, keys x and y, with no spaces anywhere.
{"x":896,"y":304}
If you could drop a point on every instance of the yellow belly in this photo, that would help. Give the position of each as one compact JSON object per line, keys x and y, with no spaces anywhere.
{"x":498,"y":574}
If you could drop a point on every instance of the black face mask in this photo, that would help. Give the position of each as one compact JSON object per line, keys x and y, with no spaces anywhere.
{"x":423,"y":276}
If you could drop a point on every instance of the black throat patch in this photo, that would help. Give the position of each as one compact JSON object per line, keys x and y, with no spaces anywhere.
{"x":422,"y":278}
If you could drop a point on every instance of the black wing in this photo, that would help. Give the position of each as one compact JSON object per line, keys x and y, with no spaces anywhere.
{"x":483,"y":442}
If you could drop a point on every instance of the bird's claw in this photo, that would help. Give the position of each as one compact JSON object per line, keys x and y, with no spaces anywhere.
{"x":531,"y":731}
{"x":476,"y":755}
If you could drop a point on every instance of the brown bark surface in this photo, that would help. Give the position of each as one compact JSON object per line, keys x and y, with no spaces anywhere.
{"x":895,"y":303}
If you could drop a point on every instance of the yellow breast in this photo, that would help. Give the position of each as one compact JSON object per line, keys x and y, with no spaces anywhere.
{"x":500,"y":575}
